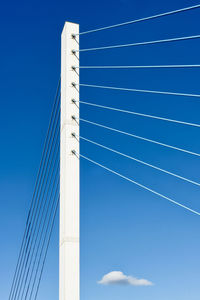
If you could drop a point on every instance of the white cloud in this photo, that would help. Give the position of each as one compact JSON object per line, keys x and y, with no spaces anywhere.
{"x":119,"y":278}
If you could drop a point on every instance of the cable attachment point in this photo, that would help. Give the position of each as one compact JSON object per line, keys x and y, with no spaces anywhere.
{"x":73,"y":36}
{"x":74,"y":118}
{"x":73,"y":134}
{"x":73,"y":152}
{"x":73,"y":84}
{"x":73,"y":68}
{"x":73,"y":101}
{"x":73,"y":52}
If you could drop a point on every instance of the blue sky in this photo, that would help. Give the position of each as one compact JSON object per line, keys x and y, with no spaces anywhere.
{"x":123,"y":228}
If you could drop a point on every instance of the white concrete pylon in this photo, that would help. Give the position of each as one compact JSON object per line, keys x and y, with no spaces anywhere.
{"x":69,"y":260}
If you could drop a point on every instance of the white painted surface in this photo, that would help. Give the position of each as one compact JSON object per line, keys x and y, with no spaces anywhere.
{"x":69,"y":264}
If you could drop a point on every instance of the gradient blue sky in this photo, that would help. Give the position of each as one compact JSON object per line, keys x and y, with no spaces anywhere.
{"x":123,"y":228}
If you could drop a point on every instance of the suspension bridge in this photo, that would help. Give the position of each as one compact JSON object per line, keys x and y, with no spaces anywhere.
{"x":58,"y":179}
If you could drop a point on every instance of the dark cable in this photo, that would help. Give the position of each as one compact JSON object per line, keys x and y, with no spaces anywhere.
{"x":43,"y":226}
{"x":22,"y":248}
{"x":37,"y":215}
{"x":41,"y":272}
{"x":44,"y":241}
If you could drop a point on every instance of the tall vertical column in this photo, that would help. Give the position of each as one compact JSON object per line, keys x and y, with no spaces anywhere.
{"x":69,"y":261}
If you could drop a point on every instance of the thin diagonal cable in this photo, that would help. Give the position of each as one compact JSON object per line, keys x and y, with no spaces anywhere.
{"x":32,"y":206}
{"x":41,"y":252}
{"x":43,"y":231}
{"x":35,"y":205}
{"x":140,"y":185}
{"x":51,"y":152}
{"x":38,"y":196}
{"x":19,"y":259}
{"x":139,"y":90}
{"x":177,"y":39}
{"x":25,"y":262}
{"x":141,"y":19}
{"x":44,"y":260}
{"x":54,"y":167}
{"x":41,"y":224}
{"x":33,"y":198}
{"x":138,"y":114}
{"x":139,"y":161}
{"x":45,"y":184}
{"x":139,"y":137}
{"x":139,"y":67}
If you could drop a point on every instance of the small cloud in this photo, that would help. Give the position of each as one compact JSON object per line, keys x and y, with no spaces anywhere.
{"x":119,"y":278}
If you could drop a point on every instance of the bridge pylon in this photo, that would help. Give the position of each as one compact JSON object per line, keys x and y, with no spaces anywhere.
{"x":69,"y":249}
